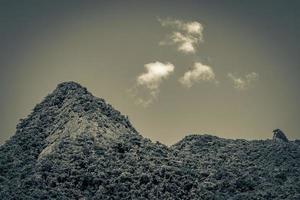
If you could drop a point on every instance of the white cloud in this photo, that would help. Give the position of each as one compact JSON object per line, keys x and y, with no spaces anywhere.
{"x":186,"y":44}
{"x":148,"y":83}
{"x":199,"y":72}
{"x":243,"y":83}
{"x":156,"y":72}
{"x":194,"y":28}
{"x":186,"y":35}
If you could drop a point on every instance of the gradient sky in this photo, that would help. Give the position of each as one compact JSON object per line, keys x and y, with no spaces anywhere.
{"x":104,"y":46}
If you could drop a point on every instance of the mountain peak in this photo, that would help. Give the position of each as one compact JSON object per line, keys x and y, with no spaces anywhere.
{"x":69,"y":85}
{"x":72,"y":98}
{"x":70,"y":88}
{"x":71,"y":112}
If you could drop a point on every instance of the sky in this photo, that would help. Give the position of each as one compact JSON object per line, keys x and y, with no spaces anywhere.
{"x":225,"y":68}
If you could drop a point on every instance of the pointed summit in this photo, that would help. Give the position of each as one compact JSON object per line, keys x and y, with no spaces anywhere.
{"x":73,"y":99}
{"x":70,"y":88}
{"x":68,"y":113}
{"x":69,"y":84}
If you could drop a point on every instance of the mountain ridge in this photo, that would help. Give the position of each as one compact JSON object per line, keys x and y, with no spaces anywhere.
{"x":76,"y":146}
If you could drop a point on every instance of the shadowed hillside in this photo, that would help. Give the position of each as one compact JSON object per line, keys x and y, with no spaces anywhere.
{"x":76,"y":146}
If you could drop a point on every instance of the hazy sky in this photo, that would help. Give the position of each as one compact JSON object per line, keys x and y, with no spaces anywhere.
{"x":229,"y":69}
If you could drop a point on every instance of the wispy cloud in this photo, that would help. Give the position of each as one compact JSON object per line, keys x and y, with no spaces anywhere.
{"x":185,"y":35}
{"x":193,"y":27}
{"x":243,"y":83}
{"x":148,"y":83}
{"x":199,"y":72}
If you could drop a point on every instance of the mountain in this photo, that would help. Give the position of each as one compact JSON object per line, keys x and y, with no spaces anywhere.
{"x":76,"y":146}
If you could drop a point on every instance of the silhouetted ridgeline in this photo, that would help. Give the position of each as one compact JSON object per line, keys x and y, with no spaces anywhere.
{"x":75,"y":146}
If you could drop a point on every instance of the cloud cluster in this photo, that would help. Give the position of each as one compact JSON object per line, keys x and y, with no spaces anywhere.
{"x":243,"y":83}
{"x":199,"y":72}
{"x":186,"y":35}
{"x":151,"y":80}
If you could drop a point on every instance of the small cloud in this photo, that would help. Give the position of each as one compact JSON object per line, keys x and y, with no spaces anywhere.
{"x":243,"y":83}
{"x":147,"y":84}
{"x":156,"y":72}
{"x":193,"y":27}
{"x":253,"y":76}
{"x":199,"y":72}
{"x":186,"y":35}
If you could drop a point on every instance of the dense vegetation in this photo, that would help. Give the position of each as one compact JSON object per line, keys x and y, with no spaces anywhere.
{"x":75,"y":146}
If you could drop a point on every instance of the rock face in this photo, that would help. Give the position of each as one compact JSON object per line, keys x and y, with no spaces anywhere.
{"x":75,"y":146}
{"x":278,"y":135}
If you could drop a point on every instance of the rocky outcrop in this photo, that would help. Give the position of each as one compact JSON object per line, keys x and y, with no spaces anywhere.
{"x":279,"y":136}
